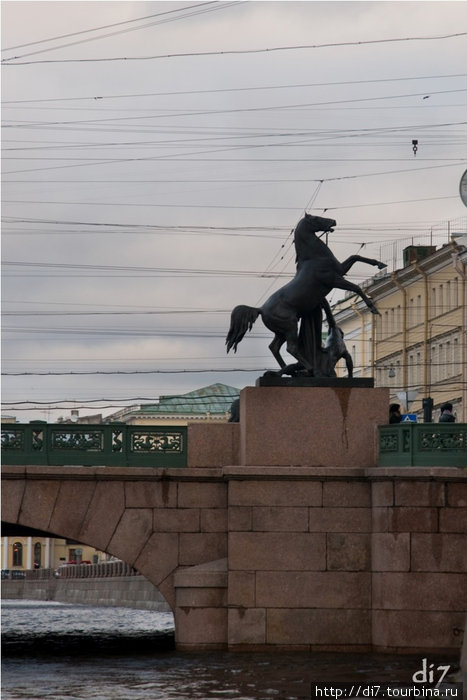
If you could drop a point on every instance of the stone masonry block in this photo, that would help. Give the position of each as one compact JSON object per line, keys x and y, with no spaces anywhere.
{"x":202,"y":495}
{"x":213,"y":444}
{"x":210,"y":574}
{"x":159,"y":557}
{"x":439,"y":552}
{"x":382,"y":493}
{"x":196,"y":548}
{"x":318,"y":627}
{"x":457,"y":495}
{"x":11,"y":505}
{"x":413,"y":519}
{"x":158,"y":494}
{"x":201,"y":597}
{"x":131,"y":534}
{"x":70,"y":507}
{"x":419,"y":591}
{"x":313,"y":589}
{"x":390,"y":551}
{"x":342,"y":494}
{"x":280,"y":519}
{"x":348,"y":551}
{"x":279,"y":551}
{"x":416,"y":629}
{"x":240,"y":518}
{"x":340,"y":519}
{"x":419,"y":493}
{"x":38,"y":502}
{"x":200,"y":626}
{"x":104,"y":513}
{"x":213,"y":519}
{"x":453,"y":520}
{"x":176,"y":519}
{"x":247,"y":626}
{"x":241,"y":590}
{"x":278,"y":493}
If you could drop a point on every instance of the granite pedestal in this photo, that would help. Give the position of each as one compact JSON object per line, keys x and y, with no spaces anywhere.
{"x":322,"y":426}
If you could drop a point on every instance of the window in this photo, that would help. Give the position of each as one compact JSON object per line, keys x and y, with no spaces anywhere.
{"x":441,"y":299}
{"x":455,"y":293}
{"x":434,"y":364}
{"x":455,"y":356}
{"x":448,"y":296}
{"x":433,"y":301}
{"x":17,"y":554}
{"x":448,"y":358}
{"x":442,"y":361}
{"x":37,"y":555}
{"x":419,"y":309}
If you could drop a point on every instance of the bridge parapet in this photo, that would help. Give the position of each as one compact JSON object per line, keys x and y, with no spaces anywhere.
{"x":57,"y":444}
{"x":423,"y":445}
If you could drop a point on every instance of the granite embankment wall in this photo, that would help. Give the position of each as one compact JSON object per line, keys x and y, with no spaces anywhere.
{"x":121,"y":591}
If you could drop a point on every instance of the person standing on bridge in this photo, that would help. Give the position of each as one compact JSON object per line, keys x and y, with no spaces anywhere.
{"x":446,"y":414}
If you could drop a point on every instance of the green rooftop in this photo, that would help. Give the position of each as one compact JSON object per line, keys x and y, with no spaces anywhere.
{"x":215,"y":399}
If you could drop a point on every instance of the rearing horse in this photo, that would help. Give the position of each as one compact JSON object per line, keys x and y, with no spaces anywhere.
{"x":318,"y":272}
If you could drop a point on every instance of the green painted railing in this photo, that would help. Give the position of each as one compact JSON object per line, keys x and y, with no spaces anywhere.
{"x":423,"y":445}
{"x":111,"y":445}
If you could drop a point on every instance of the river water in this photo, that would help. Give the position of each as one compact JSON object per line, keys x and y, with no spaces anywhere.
{"x":74,"y":652}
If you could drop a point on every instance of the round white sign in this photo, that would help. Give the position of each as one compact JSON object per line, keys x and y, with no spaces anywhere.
{"x":463,"y":188}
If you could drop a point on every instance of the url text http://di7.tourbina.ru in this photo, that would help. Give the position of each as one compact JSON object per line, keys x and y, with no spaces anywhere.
{"x":430,"y":681}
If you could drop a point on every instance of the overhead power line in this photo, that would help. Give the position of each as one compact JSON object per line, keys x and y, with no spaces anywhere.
{"x":238,"y":89}
{"x":268,"y":108}
{"x":12,"y":61}
{"x":227,"y":206}
{"x":105,"y":26}
{"x":202,"y":9}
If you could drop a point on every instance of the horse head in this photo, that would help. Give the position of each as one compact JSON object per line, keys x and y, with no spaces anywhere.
{"x":307,"y":245}
{"x":317,"y":223}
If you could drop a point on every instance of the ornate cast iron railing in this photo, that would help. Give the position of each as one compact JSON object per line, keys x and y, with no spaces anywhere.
{"x":57,"y":444}
{"x":423,"y":445}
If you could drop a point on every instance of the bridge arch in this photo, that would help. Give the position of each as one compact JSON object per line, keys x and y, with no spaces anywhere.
{"x":159,"y":521}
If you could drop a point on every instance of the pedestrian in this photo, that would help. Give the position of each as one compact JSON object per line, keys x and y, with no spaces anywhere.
{"x":235,"y":411}
{"x":395,"y":413}
{"x":446,"y":414}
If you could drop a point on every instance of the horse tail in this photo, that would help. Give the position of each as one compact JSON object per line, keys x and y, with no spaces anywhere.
{"x":241,"y":321}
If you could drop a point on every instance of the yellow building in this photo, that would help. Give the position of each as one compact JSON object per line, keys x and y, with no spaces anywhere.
{"x":417,"y":347}
{"x":19,"y":552}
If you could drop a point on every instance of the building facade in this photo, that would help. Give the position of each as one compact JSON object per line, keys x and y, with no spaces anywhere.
{"x":417,"y":346}
{"x":20,"y":553}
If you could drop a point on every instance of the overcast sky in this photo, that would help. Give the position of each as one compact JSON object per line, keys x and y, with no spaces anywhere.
{"x":157,"y":155}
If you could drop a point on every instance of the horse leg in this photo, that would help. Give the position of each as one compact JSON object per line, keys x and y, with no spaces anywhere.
{"x":293,"y":348}
{"x":277,"y":342}
{"x":347,"y":264}
{"x":341,"y":283}
{"x":331,"y":321}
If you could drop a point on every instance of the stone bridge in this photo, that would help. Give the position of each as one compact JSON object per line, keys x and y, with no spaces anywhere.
{"x":280,"y":533}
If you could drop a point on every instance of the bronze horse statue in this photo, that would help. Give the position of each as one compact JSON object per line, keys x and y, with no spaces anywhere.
{"x":302,"y":299}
